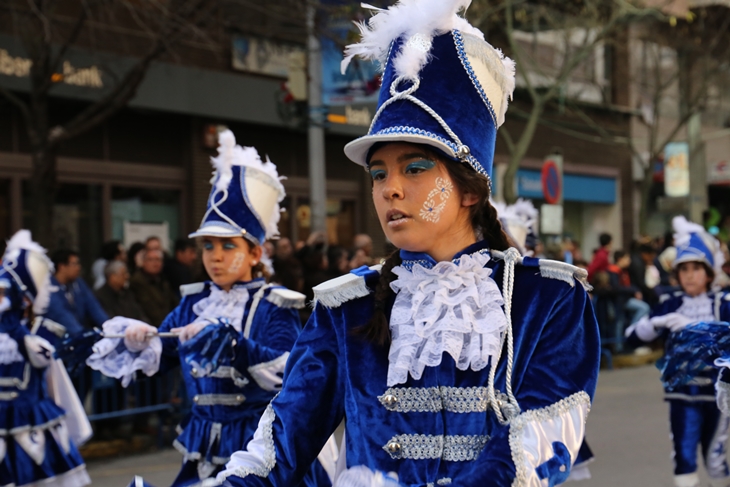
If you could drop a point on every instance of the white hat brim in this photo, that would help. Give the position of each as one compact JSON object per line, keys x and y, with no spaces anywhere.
{"x":357,"y":150}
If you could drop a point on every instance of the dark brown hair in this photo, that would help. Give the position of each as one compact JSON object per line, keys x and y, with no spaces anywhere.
{"x":484,"y":221}
{"x":259,"y":270}
{"x":708,"y":270}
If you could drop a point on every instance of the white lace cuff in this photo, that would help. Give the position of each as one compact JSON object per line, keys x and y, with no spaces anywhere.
{"x":268,"y":375}
{"x":112,"y":358}
{"x":538,"y":436}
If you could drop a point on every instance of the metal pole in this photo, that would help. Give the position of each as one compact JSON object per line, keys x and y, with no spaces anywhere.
{"x":698,"y":199}
{"x":317,"y":173}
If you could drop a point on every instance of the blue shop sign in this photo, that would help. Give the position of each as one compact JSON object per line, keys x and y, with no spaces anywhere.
{"x":586,"y":189}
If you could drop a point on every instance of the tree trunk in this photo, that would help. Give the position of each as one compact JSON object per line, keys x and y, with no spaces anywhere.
{"x":646,"y":186}
{"x":519,"y":151}
{"x":43,"y":188}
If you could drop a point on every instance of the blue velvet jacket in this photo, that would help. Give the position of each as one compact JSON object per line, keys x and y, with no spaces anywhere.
{"x":228,"y":403}
{"x":36,"y":448}
{"x":436,"y":430}
{"x":702,"y":388}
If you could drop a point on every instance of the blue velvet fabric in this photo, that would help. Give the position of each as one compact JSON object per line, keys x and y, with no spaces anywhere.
{"x":698,"y":423}
{"x":557,"y":469}
{"x":15,"y":268}
{"x":273,"y":333}
{"x":237,"y":208}
{"x":333,"y":374}
{"x":31,"y":407}
{"x":82,"y":311}
{"x":695,"y":249}
{"x":702,"y":389}
{"x":467,"y":112}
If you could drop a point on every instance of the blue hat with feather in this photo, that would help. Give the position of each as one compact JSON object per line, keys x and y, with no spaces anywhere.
{"x":443,"y":85}
{"x":244,"y":200}
{"x":26,"y":265}
{"x":694,"y":244}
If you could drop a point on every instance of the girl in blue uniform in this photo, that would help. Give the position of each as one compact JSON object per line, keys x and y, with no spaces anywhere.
{"x":227,"y":400}
{"x":459,"y":362}
{"x":36,"y":444}
{"x":693,"y":413}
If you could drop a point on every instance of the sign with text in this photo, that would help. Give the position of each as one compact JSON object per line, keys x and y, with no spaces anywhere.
{"x":676,"y":169}
{"x":551,"y":219}
{"x":262,"y":56}
{"x":139,"y":232}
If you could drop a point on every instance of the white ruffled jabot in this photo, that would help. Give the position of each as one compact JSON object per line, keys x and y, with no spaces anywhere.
{"x":699,"y":308}
{"x":223,"y":304}
{"x":454,"y":307}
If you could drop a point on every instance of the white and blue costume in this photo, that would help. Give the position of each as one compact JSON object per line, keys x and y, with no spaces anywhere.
{"x":493,"y":357}
{"x":36,"y":445}
{"x":257,"y":324}
{"x":693,"y":414}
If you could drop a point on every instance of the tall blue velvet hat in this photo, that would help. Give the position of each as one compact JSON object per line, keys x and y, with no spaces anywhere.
{"x":443,"y":85}
{"x":694,"y":244}
{"x":27,"y":269}
{"x":244,"y":200}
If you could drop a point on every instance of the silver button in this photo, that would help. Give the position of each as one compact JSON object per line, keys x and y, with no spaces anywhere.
{"x":194,"y":372}
{"x":562,"y":468}
{"x":390,"y":400}
{"x":394,"y":447}
{"x":239,"y":398}
{"x":196,"y":398}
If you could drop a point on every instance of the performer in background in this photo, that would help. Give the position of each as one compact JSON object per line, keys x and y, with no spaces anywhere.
{"x":693,"y":413}
{"x":459,"y":362}
{"x":249,"y":324}
{"x":37,"y":446}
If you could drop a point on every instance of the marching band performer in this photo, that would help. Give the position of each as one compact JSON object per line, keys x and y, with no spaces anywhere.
{"x":37,"y":447}
{"x":459,"y":362}
{"x":250,"y":324}
{"x":693,"y":413}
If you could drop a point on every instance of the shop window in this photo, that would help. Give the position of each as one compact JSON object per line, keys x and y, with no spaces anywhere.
{"x":4,"y":210}
{"x":77,"y":222}
{"x":141,"y":205}
{"x":340,"y":221}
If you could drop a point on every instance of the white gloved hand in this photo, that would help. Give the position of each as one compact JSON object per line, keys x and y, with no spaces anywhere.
{"x":674,"y":322}
{"x":40,"y":352}
{"x":189,"y":331}
{"x":137,"y":336}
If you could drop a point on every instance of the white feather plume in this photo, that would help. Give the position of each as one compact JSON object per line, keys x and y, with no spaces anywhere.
{"x":22,"y":240}
{"x":683,"y":230}
{"x":407,"y":18}
{"x":231,"y":154}
{"x":43,"y":296}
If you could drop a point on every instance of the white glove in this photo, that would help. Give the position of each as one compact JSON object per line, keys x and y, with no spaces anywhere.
{"x":189,"y":331}
{"x":40,"y":352}
{"x":674,"y":322}
{"x":138,"y":335}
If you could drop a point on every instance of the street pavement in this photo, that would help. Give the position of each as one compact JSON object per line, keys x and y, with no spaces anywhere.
{"x":627,"y":430}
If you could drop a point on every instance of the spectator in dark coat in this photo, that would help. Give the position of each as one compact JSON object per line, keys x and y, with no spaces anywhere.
{"x":179,"y":269}
{"x":640,"y":264}
{"x":72,"y":304}
{"x":151,"y":289}
{"x":628,"y":298}
{"x":115,"y":297}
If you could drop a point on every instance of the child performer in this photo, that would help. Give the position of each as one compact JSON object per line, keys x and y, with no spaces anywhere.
{"x":243,"y":211}
{"x":36,"y":444}
{"x":459,"y":362}
{"x":693,"y":414}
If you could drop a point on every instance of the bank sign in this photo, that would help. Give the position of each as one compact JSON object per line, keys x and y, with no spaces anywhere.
{"x":19,"y":67}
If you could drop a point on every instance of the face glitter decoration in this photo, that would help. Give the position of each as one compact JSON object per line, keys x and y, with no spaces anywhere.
{"x":431,"y":211}
{"x":237,"y":261}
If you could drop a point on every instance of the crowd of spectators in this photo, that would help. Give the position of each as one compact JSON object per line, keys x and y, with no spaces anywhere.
{"x":627,"y":284}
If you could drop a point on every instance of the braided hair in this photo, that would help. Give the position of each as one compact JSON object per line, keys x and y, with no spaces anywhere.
{"x":484,"y":221}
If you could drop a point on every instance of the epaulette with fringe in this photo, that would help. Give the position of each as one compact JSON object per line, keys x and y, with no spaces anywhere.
{"x":667,"y":296}
{"x":286,"y":298}
{"x":553,"y":269}
{"x":335,"y":292}
{"x":194,"y":288}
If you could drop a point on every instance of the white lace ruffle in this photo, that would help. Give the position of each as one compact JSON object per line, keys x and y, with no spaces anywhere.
{"x":455,"y":307}
{"x":119,"y":362}
{"x":9,"y":350}
{"x":223,"y":304}
{"x":699,"y":308}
